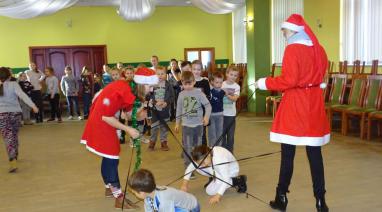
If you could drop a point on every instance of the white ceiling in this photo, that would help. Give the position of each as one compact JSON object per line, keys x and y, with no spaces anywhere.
{"x":116,"y":2}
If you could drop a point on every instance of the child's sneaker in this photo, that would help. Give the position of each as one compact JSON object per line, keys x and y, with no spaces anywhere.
{"x":151,"y":146}
{"x":79,"y":118}
{"x":145,"y":140}
{"x":70,"y":118}
{"x":127,"y":204}
{"x":28,"y":122}
{"x":12,"y":166}
{"x":50,"y":120}
{"x":59,"y":120}
{"x":193,"y":176}
{"x":164,"y":146}
{"x":108,"y":193}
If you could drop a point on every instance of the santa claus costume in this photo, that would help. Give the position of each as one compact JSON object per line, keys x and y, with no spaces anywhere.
{"x":100,"y":136}
{"x":301,"y":118}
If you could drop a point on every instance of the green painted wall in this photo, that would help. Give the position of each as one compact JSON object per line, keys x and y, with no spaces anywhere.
{"x":166,"y":34}
{"x":258,"y":50}
{"x":328,"y":12}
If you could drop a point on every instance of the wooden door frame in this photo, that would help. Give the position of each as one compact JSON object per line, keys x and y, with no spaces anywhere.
{"x":68,"y":47}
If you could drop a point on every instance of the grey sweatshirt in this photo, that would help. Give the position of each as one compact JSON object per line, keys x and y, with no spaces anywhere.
{"x":189,"y":108}
{"x":168,"y":199}
{"x":52,"y":85}
{"x":69,"y":86}
{"x":9,"y":102}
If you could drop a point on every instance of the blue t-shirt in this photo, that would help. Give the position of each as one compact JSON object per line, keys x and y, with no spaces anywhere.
{"x":216,"y":100}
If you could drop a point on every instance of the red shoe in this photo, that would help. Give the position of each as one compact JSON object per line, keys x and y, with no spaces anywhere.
{"x":164,"y":146}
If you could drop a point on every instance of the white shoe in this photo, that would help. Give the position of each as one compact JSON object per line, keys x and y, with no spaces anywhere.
{"x":79,"y":118}
{"x":70,"y":118}
{"x":145,"y":140}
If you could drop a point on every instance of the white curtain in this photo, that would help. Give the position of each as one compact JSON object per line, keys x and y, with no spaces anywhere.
{"x":24,"y":9}
{"x":281,"y":10}
{"x":136,"y":10}
{"x":361,"y":30}
{"x":239,"y":35}
{"x":218,"y":6}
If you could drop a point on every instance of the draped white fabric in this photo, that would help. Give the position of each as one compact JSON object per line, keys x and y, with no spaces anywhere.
{"x":361,"y":30}
{"x":136,"y":10}
{"x":239,"y":35}
{"x":25,"y":9}
{"x":281,"y":10}
{"x":218,"y":6}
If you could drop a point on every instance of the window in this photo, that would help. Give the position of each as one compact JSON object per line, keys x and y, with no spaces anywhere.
{"x":239,"y":36}
{"x":361,"y":30}
{"x":281,"y":10}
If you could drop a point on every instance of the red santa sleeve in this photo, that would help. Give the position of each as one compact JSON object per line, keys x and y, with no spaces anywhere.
{"x":289,"y":73}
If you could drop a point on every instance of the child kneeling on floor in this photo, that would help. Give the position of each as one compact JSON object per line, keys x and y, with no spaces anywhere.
{"x":220,"y":166}
{"x":161,"y":199}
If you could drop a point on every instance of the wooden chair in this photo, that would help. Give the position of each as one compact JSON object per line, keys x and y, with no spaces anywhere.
{"x":374,"y":67}
{"x":357,"y":68}
{"x":274,"y":99}
{"x":375,"y":116}
{"x":369,"y":104}
{"x":336,"y":95}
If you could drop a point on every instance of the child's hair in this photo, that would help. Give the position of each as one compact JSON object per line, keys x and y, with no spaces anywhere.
{"x":155,"y":57}
{"x":232,"y":68}
{"x":197,"y":62}
{"x":185,"y":63}
{"x":142,"y":181}
{"x":84,"y":70}
{"x":162,"y":68}
{"x":68,"y":68}
{"x":187,"y":77}
{"x":141,"y":65}
{"x":5,"y":73}
{"x":115,"y":70}
{"x":20,"y":74}
{"x":216,"y":75}
{"x":50,"y":69}
{"x":200,"y":152}
{"x":173,"y":60}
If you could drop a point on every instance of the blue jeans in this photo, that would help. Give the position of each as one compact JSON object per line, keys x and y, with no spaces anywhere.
{"x":73,"y":104}
{"x":109,"y":171}
{"x":87,"y":99}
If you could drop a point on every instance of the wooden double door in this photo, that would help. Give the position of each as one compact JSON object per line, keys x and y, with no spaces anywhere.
{"x":57,"y":57}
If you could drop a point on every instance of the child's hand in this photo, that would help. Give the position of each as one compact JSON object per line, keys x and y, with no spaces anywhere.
{"x":184,"y":186}
{"x":133,"y":132}
{"x":164,"y":104}
{"x":205,"y":121}
{"x":177,"y":128}
{"x":215,"y":199}
{"x":35,"y":109}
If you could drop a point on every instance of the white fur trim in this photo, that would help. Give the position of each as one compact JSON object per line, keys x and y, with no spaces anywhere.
{"x":299,"y":141}
{"x":323,"y":85}
{"x":149,"y":80}
{"x":303,"y":42}
{"x":261,"y":84}
{"x":98,"y":153}
{"x":293,"y":27}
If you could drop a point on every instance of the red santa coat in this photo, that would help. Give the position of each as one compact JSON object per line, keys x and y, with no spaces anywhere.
{"x":301,"y":117}
{"x":99,"y":137}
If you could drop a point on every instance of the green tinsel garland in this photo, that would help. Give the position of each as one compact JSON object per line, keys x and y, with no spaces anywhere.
{"x":136,"y":142}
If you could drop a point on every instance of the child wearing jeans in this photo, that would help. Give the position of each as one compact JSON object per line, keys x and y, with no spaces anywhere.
{"x":70,"y":88}
{"x":163,"y":96}
{"x":163,"y":198}
{"x":27,"y":87}
{"x":189,"y":111}
{"x":232,"y":92}
{"x":53,"y":94}
{"x":202,"y":84}
{"x":215,"y":129}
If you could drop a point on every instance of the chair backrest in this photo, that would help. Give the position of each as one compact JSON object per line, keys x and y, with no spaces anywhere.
{"x":357,"y":90}
{"x":343,"y":67}
{"x":356,"y":67}
{"x":330,"y":67}
{"x":374,"y":67}
{"x":373,"y":88}
{"x":337,"y":90}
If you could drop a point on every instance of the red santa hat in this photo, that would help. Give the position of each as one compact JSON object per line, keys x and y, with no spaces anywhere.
{"x":296,"y":23}
{"x":145,"y":76}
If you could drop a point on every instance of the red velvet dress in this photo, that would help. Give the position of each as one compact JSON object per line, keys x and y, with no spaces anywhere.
{"x":99,"y":137}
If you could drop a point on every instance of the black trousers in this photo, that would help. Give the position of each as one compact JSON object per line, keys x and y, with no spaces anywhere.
{"x":316,"y":168}
{"x":55,"y":109}
{"x":37,"y":100}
